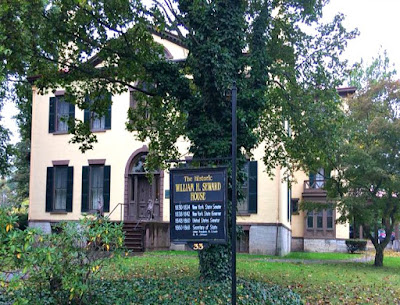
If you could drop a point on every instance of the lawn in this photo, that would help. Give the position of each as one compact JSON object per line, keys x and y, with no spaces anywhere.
{"x":326,"y":282}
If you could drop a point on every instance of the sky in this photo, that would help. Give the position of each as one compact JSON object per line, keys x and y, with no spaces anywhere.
{"x":377,"y":21}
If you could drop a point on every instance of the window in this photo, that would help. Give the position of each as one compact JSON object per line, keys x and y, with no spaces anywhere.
{"x":96,"y":188}
{"x":60,"y":112}
{"x":59,"y":185}
{"x":320,"y":220}
{"x":295,"y":205}
{"x":317,"y":179}
{"x":329,"y":219}
{"x":310,"y":220}
{"x":134,"y":105}
{"x":98,"y":122}
{"x":249,"y":189}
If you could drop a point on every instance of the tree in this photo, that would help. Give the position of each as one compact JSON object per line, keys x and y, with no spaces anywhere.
{"x":6,"y":149}
{"x":286,"y":65}
{"x":367,"y":162}
{"x":379,"y":69}
{"x":21,"y":159}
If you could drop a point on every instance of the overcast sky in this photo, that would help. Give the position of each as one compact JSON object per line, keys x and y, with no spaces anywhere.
{"x":377,"y":21}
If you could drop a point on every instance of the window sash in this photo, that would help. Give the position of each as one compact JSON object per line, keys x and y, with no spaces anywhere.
{"x":310,"y":220}
{"x":97,"y":122}
{"x":329,"y":219}
{"x":320,"y":220}
{"x":62,"y":114}
{"x":60,"y":188}
{"x":243,"y":204}
{"x":96,"y":189}
{"x":134,"y":105}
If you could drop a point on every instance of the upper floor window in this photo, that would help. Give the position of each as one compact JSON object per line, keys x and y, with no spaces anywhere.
{"x":60,"y":112}
{"x":59,"y":185}
{"x":248,"y":204}
{"x":98,"y":122}
{"x":317,"y":179}
{"x":136,"y":104}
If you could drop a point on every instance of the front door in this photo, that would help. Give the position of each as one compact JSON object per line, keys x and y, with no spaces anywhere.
{"x":144,"y":196}
{"x":144,"y":203}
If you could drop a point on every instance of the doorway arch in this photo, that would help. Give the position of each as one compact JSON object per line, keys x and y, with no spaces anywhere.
{"x":143,"y":199}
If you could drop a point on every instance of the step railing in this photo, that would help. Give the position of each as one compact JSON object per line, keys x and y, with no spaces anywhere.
{"x":118,"y":205}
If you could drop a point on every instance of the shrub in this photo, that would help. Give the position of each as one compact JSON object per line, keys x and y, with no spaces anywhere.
{"x":22,"y":220}
{"x":55,"y":268}
{"x":354,"y":245}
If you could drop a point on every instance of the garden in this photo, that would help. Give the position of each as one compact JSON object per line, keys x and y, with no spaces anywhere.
{"x":85,"y":263}
{"x":317,"y":278}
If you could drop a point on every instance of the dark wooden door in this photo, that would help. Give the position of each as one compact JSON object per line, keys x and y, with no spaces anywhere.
{"x":144,"y":190}
{"x":140,"y":194}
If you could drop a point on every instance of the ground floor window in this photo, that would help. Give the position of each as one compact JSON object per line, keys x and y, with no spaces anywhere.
{"x":248,"y":204}
{"x":321,"y":221}
{"x":96,"y":188}
{"x":59,"y":184}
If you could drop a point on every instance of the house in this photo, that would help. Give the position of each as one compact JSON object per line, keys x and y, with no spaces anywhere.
{"x":66,"y":184}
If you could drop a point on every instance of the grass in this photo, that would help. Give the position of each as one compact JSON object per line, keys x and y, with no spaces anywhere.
{"x":323,"y":283}
{"x":292,"y":255}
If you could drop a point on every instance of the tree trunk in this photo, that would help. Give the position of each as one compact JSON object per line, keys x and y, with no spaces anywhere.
{"x":379,"y":256}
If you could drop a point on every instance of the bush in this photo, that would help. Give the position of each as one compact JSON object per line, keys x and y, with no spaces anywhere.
{"x":55,"y":268}
{"x":354,"y":245}
{"x":22,"y":220}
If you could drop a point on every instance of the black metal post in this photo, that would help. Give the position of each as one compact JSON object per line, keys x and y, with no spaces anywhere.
{"x":234,"y":193}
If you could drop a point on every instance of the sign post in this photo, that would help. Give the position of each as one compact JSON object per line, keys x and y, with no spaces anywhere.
{"x":198,"y":206}
{"x":198,"y":214}
{"x":234,"y":193}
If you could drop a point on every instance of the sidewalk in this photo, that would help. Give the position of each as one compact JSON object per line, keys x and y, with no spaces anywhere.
{"x":364,"y":259}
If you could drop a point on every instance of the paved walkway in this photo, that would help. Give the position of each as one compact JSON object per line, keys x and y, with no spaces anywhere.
{"x":363,"y":259}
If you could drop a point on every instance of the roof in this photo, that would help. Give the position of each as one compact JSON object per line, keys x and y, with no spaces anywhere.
{"x":345,"y":91}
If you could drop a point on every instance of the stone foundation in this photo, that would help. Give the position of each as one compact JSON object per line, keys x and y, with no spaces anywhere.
{"x":269,"y":240}
{"x":297,"y":244}
{"x":44,"y":226}
{"x":324,"y":245}
{"x":157,"y":236}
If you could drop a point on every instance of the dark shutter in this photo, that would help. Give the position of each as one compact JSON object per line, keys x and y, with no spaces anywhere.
{"x":106,"y":188}
{"x":52,"y":114}
{"x":253,"y":187}
{"x":49,"y":189}
{"x":107,"y":123}
{"x":327,"y":173}
{"x":86,"y":112}
{"x":85,"y":189}
{"x":86,"y":116}
{"x":71,"y":115}
{"x":70,"y":184}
